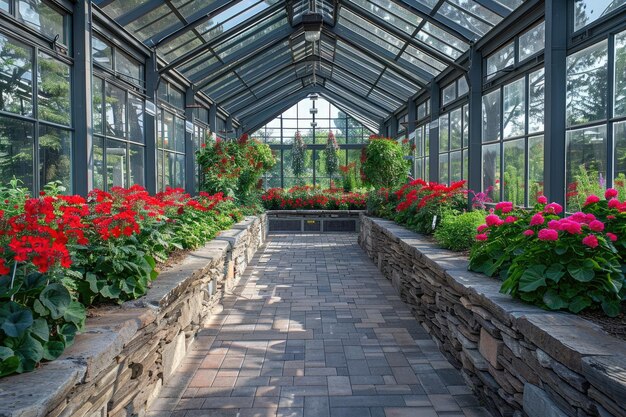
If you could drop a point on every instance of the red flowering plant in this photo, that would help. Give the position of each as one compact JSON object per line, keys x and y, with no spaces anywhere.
{"x":556,"y":263}
{"x":421,"y":204}
{"x":38,"y":315}
{"x":307,"y":197}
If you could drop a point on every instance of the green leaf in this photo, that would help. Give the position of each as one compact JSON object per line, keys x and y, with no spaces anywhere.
{"x":579,"y":303}
{"x":53,"y":349}
{"x":76,"y":314}
{"x":532,"y":278}
{"x":67,"y":332}
{"x":560,"y":250}
{"x":9,"y":365}
{"x":611,"y":307}
{"x":5,"y":353}
{"x":555,"y":272}
{"x":56,"y":298}
{"x":553,"y":301}
{"x":28,"y":349}
{"x":40,"y":329}
{"x":581,"y":273}
{"x":40,"y":309}
{"x":15,"y":319}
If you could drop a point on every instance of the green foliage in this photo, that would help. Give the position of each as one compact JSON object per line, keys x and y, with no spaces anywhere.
{"x":456,"y":231}
{"x":331,"y":156}
{"x":385,"y":165}
{"x":586,"y":183}
{"x":298,"y":156}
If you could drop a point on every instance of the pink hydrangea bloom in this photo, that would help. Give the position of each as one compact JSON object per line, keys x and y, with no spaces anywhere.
{"x":596,"y":225}
{"x":481,"y":228}
{"x":493,"y":220}
{"x":554,"y":208}
{"x":481,"y":236}
{"x":528,"y":232}
{"x":591,"y":241}
{"x":611,"y":236}
{"x":614,"y":203}
{"x":591,"y":200}
{"x":571,"y":227}
{"x":510,"y":219}
{"x":542,"y":199}
{"x":610,"y":193}
{"x":537,"y":220}
{"x":548,"y":234}
{"x":504,"y":206}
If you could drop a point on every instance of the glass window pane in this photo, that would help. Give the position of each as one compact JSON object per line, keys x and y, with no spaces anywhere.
{"x":444,"y":177}
{"x":587,"y":85}
{"x":588,"y":11}
{"x":536,"y":108}
{"x":620,"y":75}
{"x":491,"y":116}
{"x":137,"y":164}
{"x":135,"y":119}
{"x":456,"y":129}
{"x":465,"y":164}
{"x":179,"y":140}
{"x":168,"y":130}
{"x":129,"y":69}
{"x":456,"y":169}
{"x":98,"y":163}
{"x":177,"y":98}
{"x":101,"y":52}
{"x":465,"y":126}
{"x":4,"y":5}
{"x":55,"y":156}
{"x":16,"y":151}
{"x":116,"y":163}
{"x":535,"y":168}
{"x":96,"y":102}
{"x":501,"y":59}
{"x":463,"y":87}
{"x":491,"y":171}
{"x":585,"y":164}
{"x":43,"y":18}
{"x":449,"y":93}
{"x":16,"y":77}
{"x":514,"y":184}
{"x":515,"y":108}
{"x":54,"y":104}
{"x":619,"y":139}
{"x":115,"y":111}
{"x":444,"y":134}
{"x":532,"y":42}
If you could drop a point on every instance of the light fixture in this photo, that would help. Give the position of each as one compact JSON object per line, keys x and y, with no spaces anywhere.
{"x":312,"y":23}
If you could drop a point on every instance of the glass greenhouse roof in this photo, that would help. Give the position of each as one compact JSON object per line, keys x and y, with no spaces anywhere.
{"x":251,"y":56}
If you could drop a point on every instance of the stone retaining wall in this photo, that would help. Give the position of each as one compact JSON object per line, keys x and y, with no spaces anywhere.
{"x":118,"y":366}
{"x":521,"y":360}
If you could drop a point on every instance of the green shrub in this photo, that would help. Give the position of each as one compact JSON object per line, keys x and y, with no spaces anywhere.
{"x":456,"y":231}
{"x":385,"y":165}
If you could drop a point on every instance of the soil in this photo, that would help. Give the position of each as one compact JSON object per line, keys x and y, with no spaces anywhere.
{"x":615,"y":326}
{"x":173,"y":258}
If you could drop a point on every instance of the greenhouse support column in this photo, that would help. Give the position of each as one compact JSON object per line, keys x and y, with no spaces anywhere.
{"x":152,"y":84}
{"x":475,"y":75}
{"x":410,"y":128}
{"x":82,"y":161}
{"x":393,"y":127}
{"x":190,"y":152}
{"x":433,"y":139}
{"x":555,"y":65}
{"x":213,"y":118}
{"x":229,"y":124}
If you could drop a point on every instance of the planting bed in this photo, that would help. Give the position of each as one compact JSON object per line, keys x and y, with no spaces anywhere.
{"x":118,"y":366}
{"x":515,"y":356}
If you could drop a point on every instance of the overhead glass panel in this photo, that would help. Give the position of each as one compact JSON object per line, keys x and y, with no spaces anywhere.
{"x":442,"y":41}
{"x":115,"y":9}
{"x":395,"y":15}
{"x":253,"y":33}
{"x":470,"y":15}
{"x":369,"y":31}
{"x":422,"y":60}
{"x":154,"y":21}
{"x":384,"y":99}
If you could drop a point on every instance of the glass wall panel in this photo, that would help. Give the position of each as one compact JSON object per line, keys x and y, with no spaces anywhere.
{"x":16,"y":82}
{"x":53,"y":98}
{"x":532,"y":42}
{"x":514,"y":184}
{"x":491,"y":111}
{"x":535,"y":168}
{"x":619,"y":140}
{"x":115,"y":111}
{"x":116,"y":163}
{"x":491,"y":171}
{"x":536,"y":89}
{"x":588,"y":11}
{"x":55,"y":155}
{"x":16,"y":151}
{"x":585,"y":164}
{"x":619,"y":101}
{"x":514,"y":103}
{"x":43,"y":18}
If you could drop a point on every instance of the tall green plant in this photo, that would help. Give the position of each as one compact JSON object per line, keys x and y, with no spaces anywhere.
{"x":332,"y":155}
{"x":385,"y":165}
{"x":298,"y":155}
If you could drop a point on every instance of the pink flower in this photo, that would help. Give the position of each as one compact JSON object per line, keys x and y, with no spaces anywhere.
{"x":571,"y":227}
{"x":528,"y":232}
{"x":537,"y":220}
{"x":481,"y":237}
{"x":589,"y":217}
{"x":548,"y":234}
{"x":542,"y":199}
{"x":554,"y":208}
{"x":482,"y":227}
{"x":579,"y":217}
{"x":610,"y":217}
{"x":591,"y":200}
{"x":614,"y":203}
{"x":505,"y":206}
{"x":554,"y":225}
{"x":493,"y":220}
{"x":611,"y":236}
{"x":591,"y":241}
{"x":510,"y":219}
{"x":596,"y":226}
{"x":610,"y":193}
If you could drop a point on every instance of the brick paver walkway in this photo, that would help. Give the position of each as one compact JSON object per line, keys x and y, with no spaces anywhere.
{"x":315,"y":330}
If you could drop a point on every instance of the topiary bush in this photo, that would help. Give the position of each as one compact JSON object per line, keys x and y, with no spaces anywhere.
{"x":456,"y":231}
{"x":384,"y":164}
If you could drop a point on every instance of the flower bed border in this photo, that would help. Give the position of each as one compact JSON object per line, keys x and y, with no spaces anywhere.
{"x":118,"y":366}
{"x":515,"y":356}
{"x":320,"y":216}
